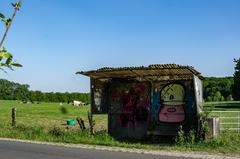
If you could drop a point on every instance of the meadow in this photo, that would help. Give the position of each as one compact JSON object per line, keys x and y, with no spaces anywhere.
{"x":223,"y":106}
{"x":46,"y":122}
{"x":46,"y":115}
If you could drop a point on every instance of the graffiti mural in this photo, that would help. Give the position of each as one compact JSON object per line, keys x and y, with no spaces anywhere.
{"x":98,"y":99}
{"x":172,"y":104}
{"x":134,"y":103}
{"x":155,"y":104}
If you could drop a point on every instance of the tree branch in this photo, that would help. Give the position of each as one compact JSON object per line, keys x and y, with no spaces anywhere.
{"x":9,"y":25}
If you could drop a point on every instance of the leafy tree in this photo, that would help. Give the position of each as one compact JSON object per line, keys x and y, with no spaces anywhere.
{"x":13,"y":91}
{"x":236,"y":79}
{"x":6,"y":58}
{"x":218,"y":96}
{"x":213,"y":87}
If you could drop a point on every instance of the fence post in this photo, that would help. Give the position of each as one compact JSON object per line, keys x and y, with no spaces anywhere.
{"x":14,"y":112}
{"x":91,"y":122}
{"x":238,"y":123}
{"x":220,"y":121}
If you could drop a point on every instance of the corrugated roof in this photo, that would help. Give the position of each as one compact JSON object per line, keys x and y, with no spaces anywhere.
{"x":142,"y":71}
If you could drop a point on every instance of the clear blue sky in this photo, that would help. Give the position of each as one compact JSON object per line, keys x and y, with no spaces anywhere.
{"x":53,"y":39}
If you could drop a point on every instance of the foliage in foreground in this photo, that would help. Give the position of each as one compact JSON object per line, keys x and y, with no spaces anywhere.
{"x":226,"y":143}
{"x":6,"y":58}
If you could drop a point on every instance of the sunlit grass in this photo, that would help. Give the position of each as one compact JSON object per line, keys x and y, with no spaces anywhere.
{"x":46,"y":115}
{"x":46,"y":122}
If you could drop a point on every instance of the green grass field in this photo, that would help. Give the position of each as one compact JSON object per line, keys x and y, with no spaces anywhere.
{"x":46,"y":115}
{"x":45,"y":122}
{"x":226,"y":105}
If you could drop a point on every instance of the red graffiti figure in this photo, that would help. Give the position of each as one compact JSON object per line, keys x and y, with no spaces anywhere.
{"x":135,"y":105}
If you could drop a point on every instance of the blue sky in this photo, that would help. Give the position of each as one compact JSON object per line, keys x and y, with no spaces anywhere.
{"x":53,"y":39}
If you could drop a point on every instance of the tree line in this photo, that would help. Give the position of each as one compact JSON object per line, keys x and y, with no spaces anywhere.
{"x":15,"y":91}
{"x":214,"y":89}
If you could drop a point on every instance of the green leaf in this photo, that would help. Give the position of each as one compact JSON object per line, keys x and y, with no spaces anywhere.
{"x":3,"y":52}
{"x":16,"y":5}
{"x":9,"y":60}
{"x":2,"y":64}
{"x":13,"y":4}
{"x":2,"y":16}
{"x":8,"y":21}
{"x":16,"y":64}
{"x":7,"y":55}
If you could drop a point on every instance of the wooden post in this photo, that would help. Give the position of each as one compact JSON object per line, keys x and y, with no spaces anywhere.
{"x":14,"y":112}
{"x":81,"y":123}
{"x":91,"y":123}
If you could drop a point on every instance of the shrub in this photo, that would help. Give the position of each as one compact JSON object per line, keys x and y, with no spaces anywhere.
{"x":56,"y":132}
{"x":185,"y":137}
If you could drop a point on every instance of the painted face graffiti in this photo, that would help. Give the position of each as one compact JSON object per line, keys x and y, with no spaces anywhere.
{"x":172,"y":109}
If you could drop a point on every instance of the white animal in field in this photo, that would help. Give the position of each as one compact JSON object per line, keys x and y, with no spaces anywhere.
{"x":77,"y":103}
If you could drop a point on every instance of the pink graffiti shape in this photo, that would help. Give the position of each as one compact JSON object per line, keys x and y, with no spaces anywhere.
{"x":172,"y":114}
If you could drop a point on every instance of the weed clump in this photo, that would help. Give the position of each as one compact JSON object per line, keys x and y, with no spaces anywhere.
{"x":185,"y":137}
{"x":56,"y":132}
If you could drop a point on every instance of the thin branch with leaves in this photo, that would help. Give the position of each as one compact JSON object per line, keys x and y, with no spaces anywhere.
{"x":6,"y":58}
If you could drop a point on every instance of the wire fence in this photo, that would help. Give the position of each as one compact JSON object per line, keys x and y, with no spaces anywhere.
{"x":229,"y":120}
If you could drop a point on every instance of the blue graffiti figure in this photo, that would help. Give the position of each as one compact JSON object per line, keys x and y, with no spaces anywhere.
{"x":155,"y":105}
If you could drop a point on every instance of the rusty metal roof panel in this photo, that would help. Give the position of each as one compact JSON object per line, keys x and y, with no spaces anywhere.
{"x":151,"y":70}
